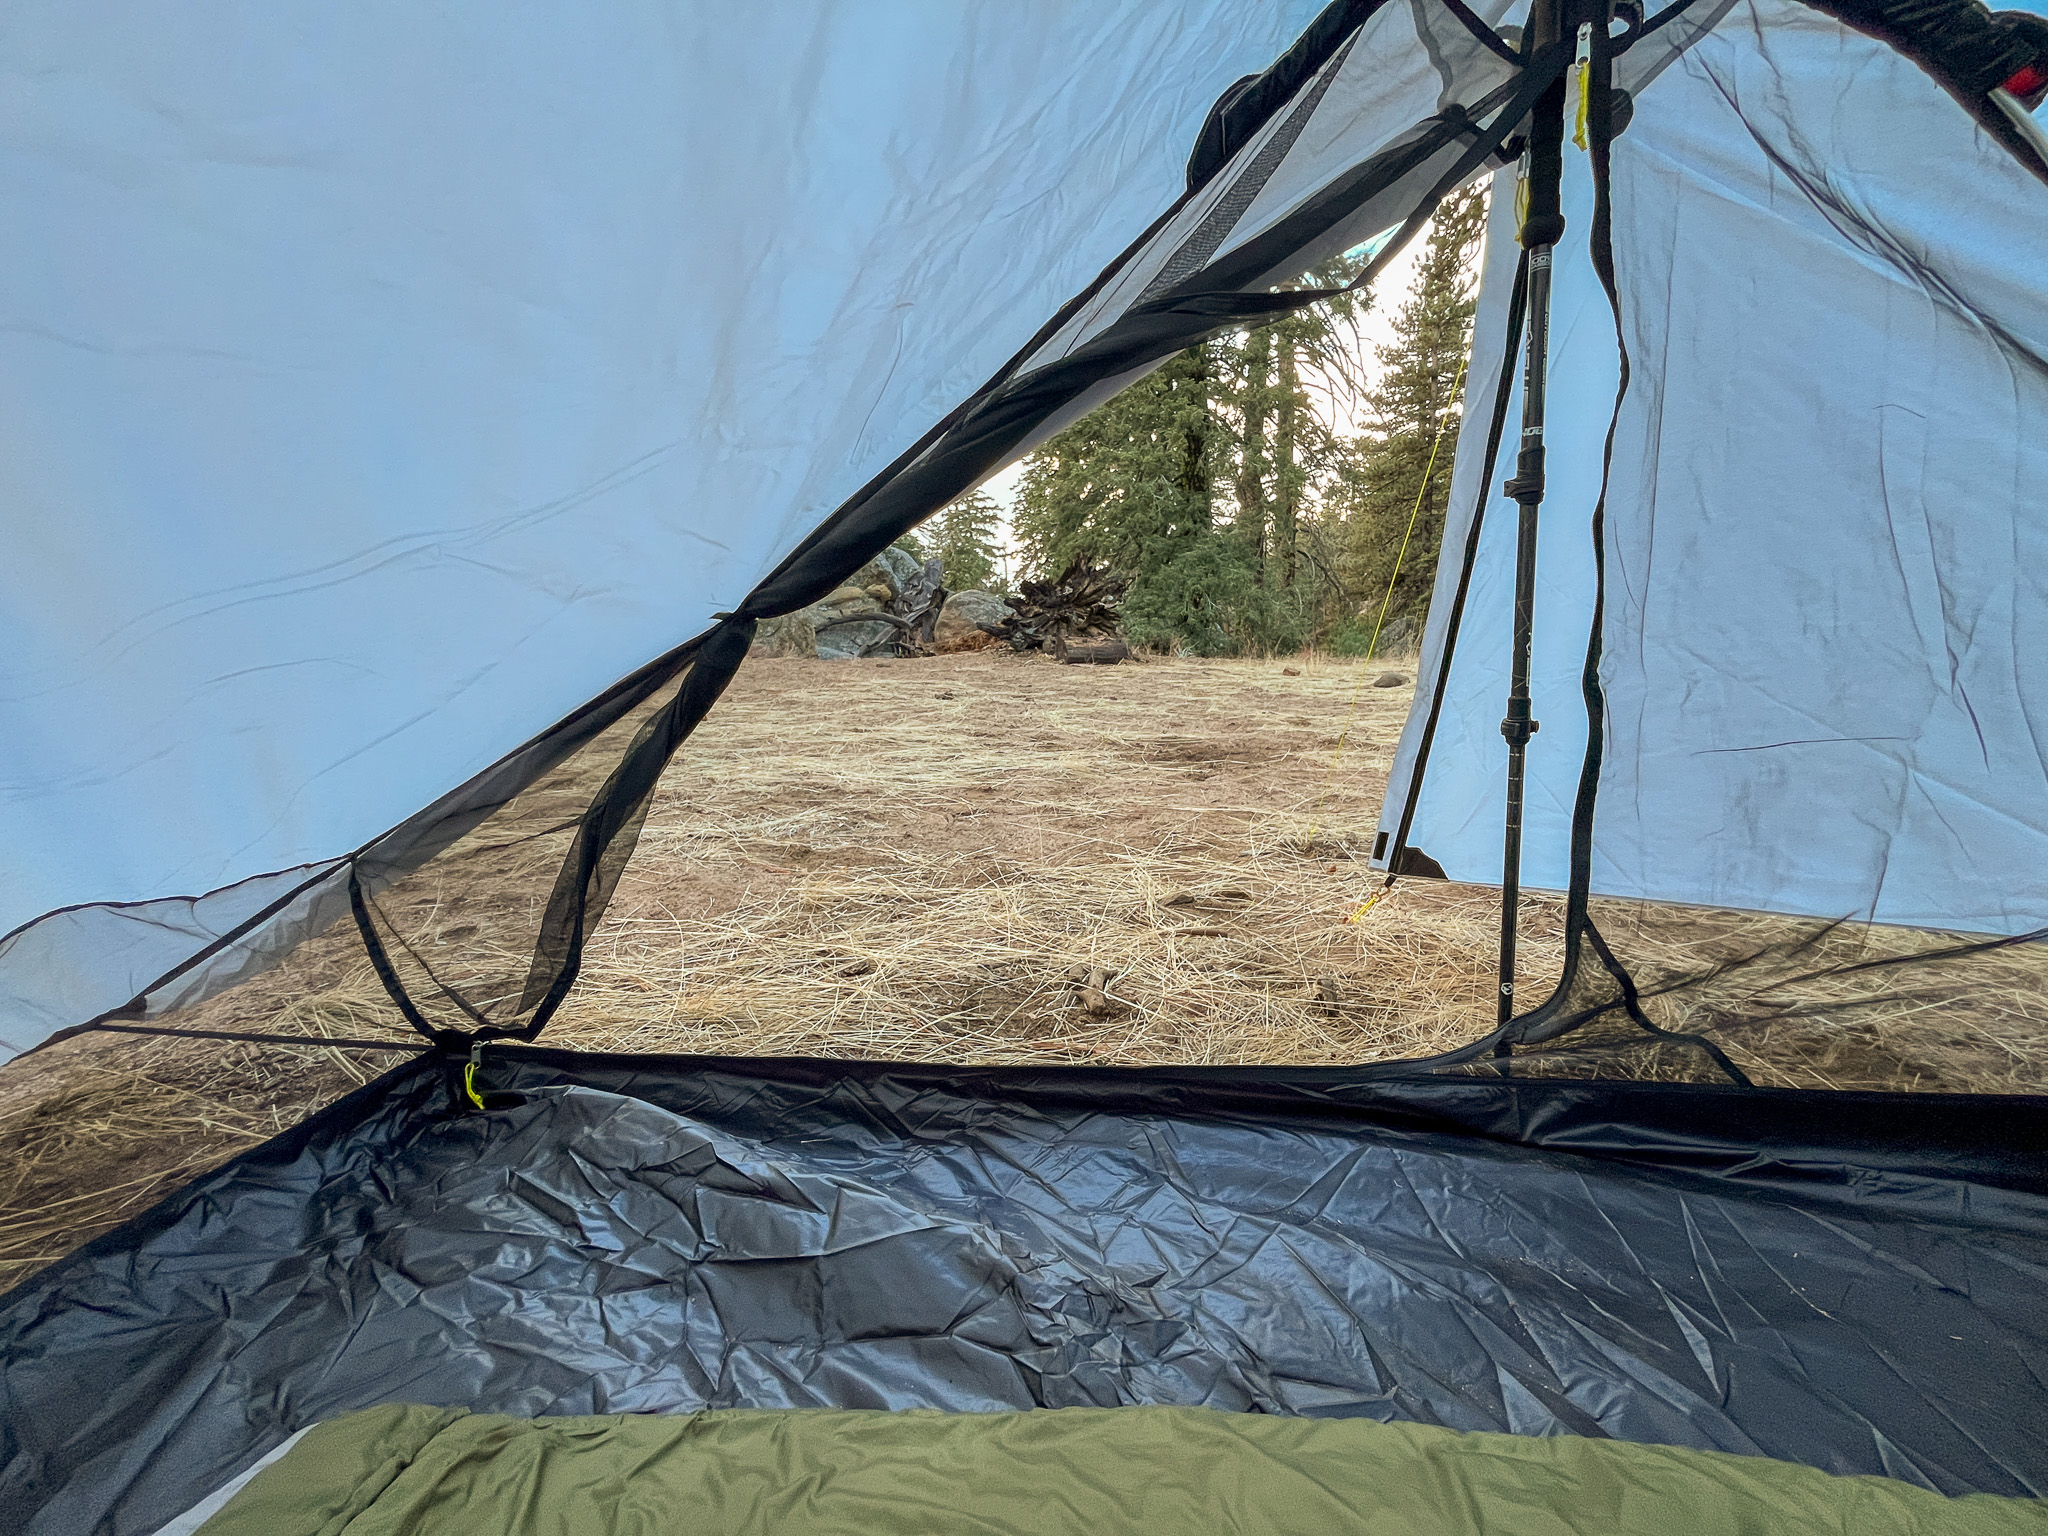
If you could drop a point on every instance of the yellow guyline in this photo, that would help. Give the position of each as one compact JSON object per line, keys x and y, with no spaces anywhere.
{"x":1582,"y":72}
{"x":1373,"y":645}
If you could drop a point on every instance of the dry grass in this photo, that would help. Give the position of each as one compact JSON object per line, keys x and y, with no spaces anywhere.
{"x":985,"y":859}
{"x":935,"y":877}
{"x":102,"y":1134}
{"x":1198,"y":953}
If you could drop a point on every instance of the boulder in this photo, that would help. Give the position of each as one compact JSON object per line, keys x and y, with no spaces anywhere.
{"x":898,"y":567}
{"x":843,"y":642}
{"x":890,"y":570}
{"x":960,"y":621}
{"x":875,"y":585}
{"x":1399,"y":637}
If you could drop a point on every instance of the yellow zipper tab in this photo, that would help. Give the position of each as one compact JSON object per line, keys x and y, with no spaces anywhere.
{"x":1582,"y":72}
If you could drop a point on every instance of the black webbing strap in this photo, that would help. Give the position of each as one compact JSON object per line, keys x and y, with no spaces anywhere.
{"x":1600,"y":146}
{"x":1670,"y":13}
{"x":380,"y":960}
{"x":1503,"y":390}
{"x":1472,"y":23}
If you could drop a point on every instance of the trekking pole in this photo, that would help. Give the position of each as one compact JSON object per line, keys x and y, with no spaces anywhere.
{"x":1542,"y":228}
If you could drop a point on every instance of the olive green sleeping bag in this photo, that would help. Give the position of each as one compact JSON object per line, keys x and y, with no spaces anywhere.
{"x":412,"y":1471}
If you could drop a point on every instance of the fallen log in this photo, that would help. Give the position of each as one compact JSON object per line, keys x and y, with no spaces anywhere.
{"x":1103,"y":653}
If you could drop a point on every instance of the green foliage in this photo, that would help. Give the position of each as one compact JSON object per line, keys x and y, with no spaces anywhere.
{"x":1401,"y":473}
{"x":964,"y":537}
{"x":1209,"y":600}
{"x":1126,"y":485}
{"x":1223,"y":488}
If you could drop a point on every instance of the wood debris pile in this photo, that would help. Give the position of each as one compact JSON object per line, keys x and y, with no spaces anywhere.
{"x":1074,"y":616}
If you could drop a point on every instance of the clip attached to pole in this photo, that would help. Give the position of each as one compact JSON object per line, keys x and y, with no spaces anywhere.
{"x":476,"y":1061}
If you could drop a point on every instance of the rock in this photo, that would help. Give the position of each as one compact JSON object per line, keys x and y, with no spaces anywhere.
{"x":1391,"y":680}
{"x":891,"y":569}
{"x":1290,"y":671}
{"x":960,"y":621}
{"x":877,"y":585}
{"x":794,"y":634}
{"x":896,"y":567}
{"x":842,"y":642}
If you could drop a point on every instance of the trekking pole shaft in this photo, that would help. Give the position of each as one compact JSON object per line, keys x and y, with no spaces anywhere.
{"x":1542,"y":227}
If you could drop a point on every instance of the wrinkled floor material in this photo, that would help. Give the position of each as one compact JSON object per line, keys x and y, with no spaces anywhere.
{"x":1848,"y":1281}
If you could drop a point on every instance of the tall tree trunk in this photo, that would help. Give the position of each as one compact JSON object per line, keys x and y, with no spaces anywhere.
{"x":1194,"y":467}
{"x":1287,"y":476}
{"x":1254,"y":453}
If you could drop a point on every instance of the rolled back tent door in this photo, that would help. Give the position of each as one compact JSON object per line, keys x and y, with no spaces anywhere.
{"x":1823,"y":544}
{"x":561,"y":349}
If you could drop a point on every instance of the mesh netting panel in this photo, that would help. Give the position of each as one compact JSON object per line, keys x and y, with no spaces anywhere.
{"x":1662,"y":992}
{"x":1625,"y":1056}
{"x":1803,"y":1002}
{"x":472,"y":915}
{"x":481,"y":934}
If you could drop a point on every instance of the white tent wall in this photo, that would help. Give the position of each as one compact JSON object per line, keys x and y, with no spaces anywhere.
{"x":382,"y":387}
{"x":1827,"y":550}
{"x":1460,"y":813}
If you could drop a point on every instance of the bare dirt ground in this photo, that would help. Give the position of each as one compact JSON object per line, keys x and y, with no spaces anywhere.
{"x":984,"y":858}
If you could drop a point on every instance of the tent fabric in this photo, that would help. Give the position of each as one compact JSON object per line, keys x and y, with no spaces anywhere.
{"x":1330,"y":164}
{"x":331,"y":666}
{"x":1846,"y":1281}
{"x":382,"y":390}
{"x":1825,"y":534}
{"x":361,"y":289}
{"x":405,"y":1470}
{"x":398,"y":606}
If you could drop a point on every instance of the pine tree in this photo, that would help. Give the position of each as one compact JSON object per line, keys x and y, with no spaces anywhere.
{"x":1255,"y":402}
{"x":1203,"y":483}
{"x":1279,"y":444}
{"x":1128,"y":484}
{"x":1401,"y":467}
{"x":964,"y":537}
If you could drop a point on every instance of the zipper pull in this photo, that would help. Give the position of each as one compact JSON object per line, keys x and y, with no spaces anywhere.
{"x":1582,"y":72}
